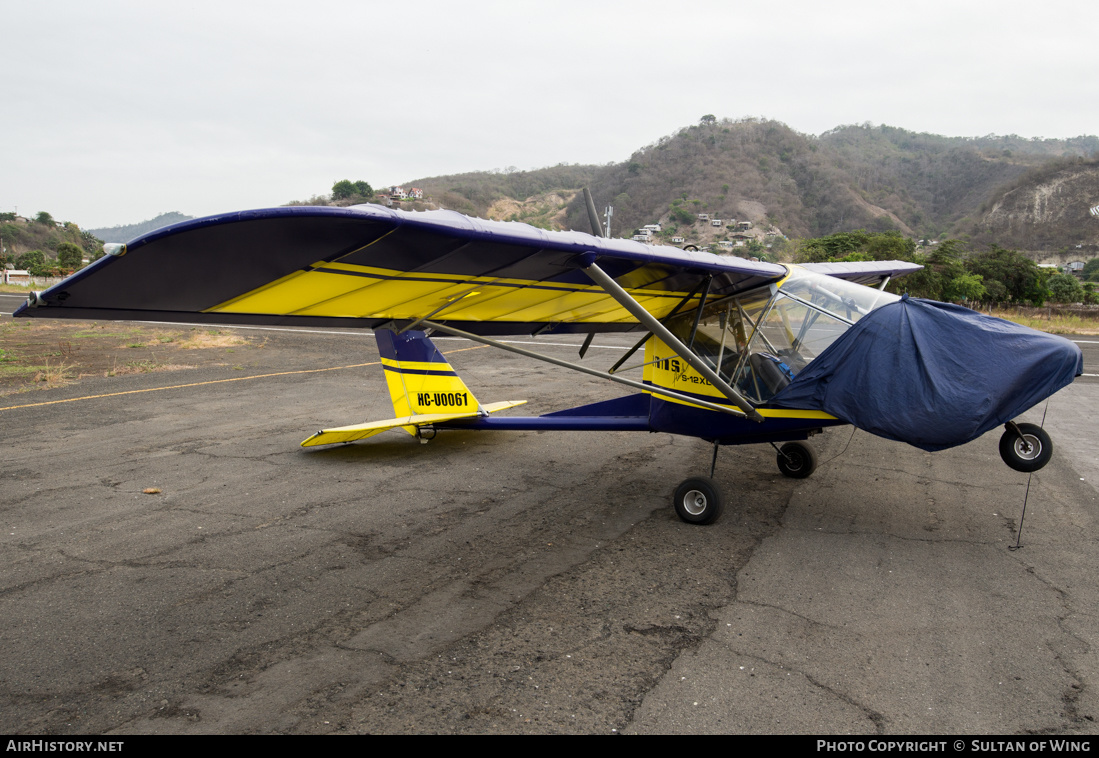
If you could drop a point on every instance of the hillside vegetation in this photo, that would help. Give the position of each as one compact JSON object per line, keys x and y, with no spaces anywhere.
{"x":476,"y":193}
{"x":132,"y":231}
{"x":36,"y":245}
{"x":793,"y":185}
{"x":853,"y":177}
{"x":1046,"y":208}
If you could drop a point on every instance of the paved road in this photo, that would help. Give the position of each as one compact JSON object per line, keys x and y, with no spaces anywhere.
{"x":525,"y":582}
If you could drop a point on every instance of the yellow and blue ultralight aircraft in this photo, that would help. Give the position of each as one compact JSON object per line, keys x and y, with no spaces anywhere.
{"x":735,"y":351}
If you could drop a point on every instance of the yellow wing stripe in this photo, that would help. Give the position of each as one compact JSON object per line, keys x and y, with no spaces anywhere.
{"x":765,"y":412}
{"x":348,"y":291}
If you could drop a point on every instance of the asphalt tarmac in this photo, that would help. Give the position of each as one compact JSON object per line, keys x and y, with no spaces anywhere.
{"x":521,"y":582}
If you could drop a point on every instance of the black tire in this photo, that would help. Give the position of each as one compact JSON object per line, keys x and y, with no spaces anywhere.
{"x":1028,"y":453}
{"x":698,"y":500}
{"x":797,"y":460}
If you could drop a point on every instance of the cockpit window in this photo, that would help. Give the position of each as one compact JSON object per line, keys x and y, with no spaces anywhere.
{"x":760,"y":341}
{"x":841,"y":298}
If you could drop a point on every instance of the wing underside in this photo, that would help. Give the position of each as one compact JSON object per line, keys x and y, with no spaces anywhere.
{"x":369,"y":266}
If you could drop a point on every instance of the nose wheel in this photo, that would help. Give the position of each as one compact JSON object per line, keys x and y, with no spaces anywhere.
{"x":1025,"y":447}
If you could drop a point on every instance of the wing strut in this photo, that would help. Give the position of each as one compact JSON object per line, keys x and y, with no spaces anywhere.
{"x":650,"y":322}
{"x":584,"y":369}
{"x":643,"y":340}
{"x":698,"y":313}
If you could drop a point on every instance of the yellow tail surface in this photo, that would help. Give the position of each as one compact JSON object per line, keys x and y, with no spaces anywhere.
{"x":423,"y":387}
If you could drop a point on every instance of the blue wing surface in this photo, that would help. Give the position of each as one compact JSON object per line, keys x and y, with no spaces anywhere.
{"x":368,"y":266}
{"x":863,"y":272}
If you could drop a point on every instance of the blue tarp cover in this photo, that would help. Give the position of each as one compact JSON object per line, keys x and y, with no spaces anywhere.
{"x":931,"y":374}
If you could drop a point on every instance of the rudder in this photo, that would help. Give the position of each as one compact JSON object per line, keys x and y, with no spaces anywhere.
{"x":420,"y":379}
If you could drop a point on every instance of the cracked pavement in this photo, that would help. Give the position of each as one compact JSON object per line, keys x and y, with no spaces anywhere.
{"x":523,"y":582}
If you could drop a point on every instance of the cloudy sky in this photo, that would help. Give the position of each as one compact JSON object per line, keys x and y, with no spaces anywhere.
{"x":114,"y":111}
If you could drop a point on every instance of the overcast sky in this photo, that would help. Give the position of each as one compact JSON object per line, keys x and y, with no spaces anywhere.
{"x":113,"y":111}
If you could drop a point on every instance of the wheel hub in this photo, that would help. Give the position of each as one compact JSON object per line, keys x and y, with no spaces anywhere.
{"x":1027,"y":447}
{"x":694,"y":502}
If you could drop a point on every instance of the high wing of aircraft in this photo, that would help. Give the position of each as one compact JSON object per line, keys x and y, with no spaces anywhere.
{"x":735,"y":351}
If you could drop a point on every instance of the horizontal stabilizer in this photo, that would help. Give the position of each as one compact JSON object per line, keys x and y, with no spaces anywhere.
{"x":362,"y":431}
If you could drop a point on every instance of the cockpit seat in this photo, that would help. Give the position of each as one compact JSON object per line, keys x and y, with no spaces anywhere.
{"x":772,"y":374}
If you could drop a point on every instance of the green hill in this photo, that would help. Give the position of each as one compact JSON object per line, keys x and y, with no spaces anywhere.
{"x":19,"y":236}
{"x":132,"y":231}
{"x":877,"y":178}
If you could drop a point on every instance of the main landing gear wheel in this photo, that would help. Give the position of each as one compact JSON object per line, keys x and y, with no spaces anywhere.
{"x":797,"y":460}
{"x":698,"y":500}
{"x":1028,"y":452}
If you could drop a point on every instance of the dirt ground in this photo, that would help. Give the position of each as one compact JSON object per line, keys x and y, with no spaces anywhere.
{"x":43,"y":355}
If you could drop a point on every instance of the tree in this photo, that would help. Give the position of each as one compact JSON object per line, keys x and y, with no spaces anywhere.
{"x":34,"y":262}
{"x":1065,"y":288}
{"x":345,"y":189}
{"x":965,"y":287}
{"x":44,"y":218}
{"x":858,"y":245}
{"x":69,"y":256}
{"x":92,"y":245}
{"x":682,"y":215}
{"x":1020,"y":277}
{"x":1090,"y":271}
{"x":709,"y":119}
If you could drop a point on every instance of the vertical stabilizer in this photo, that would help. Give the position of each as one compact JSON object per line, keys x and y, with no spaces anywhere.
{"x":420,"y":379}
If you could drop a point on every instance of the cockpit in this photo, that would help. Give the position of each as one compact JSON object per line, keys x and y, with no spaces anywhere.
{"x":760,"y":340}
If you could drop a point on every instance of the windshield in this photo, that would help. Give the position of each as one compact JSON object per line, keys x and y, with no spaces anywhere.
{"x":758,"y":342}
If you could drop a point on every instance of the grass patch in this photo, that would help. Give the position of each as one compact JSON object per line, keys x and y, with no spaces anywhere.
{"x":202,"y":340}
{"x":142,"y":367}
{"x":52,"y":375}
{"x":12,"y":370}
{"x":42,"y":354}
{"x":1048,"y":320}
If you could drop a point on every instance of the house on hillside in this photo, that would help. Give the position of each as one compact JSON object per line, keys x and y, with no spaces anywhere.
{"x":744,"y":225}
{"x":398,"y":193}
{"x":416,"y":193}
{"x":715,"y":222}
{"x":703,"y":216}
{"x":678,"y":240}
